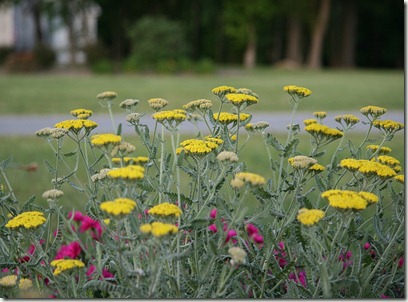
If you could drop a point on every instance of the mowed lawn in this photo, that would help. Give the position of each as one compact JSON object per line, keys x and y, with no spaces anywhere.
{"x":333,"y":90}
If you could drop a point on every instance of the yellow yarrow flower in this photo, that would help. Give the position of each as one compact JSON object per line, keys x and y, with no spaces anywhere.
{"x":383,"y":150}
{"x":370,"y":168}
{"x":310,"y":121}
{"x":107,"y":95}
{"x":81,"y":113}
{"x":309,"y":217}
{"x":158,"y":229}
{"x":139,"y":160}
{"x":27,"y":220}
{"x":320,"y":131}
{"x":165,"y":209}
{"x":320,"y":114}
{"x":221,"y":91}
{"x":250,"y":178}
{"x":345,"y":200}
{"x":350,"y":164}
{"x":118,"y":207}
{"x":388,"y":126}
{"x":388,"y":160}
{"x":317,"y":168}
{"x":62,"y":265}
{"x":238,"y":99}
{"x":131,"y":172}
{"x":298,"y":91}
{"x":198,"y":147}
{"x":76,"y":125}
{"x":373,"y":111}
{"x":400,"y":178}
{"x":348,"y":119}
{"x":100,"y":140}
{"x":170,"y":116}
{"x":368,"y":196}
{"x":228,"y":118}
{"x":215,"y":140}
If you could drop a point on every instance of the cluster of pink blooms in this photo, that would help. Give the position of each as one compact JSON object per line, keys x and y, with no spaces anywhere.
{"x":345,"y":257}
{"x":367,"y":247}
{"x":252,"y":231}
{"x":230,"y":232}
{"x":86,"y":223}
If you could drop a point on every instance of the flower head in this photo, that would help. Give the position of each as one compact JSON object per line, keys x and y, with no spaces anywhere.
{"x":62,"y":265}
{"x":52,"y":194}
{"x":301,"y":162}
{"x":256,"y":127}
{"x":320,"y":114}
{"x":70,"y":251}
{"x":238,"y":255}
{"x":8,"y":281}
{"x":100,"y":140}
{"x":76,"y":125}
{"x":139,"y":160}
{"x":81,"y":113}
{"x":348,"y":119}
{"x":250,"y":178}
{"x":170,"y":116}
{"x":158,"y":229}
{"x":345,"y":200}
{"x":129,"y":103}
{"x":107,"y":95}
{"x":373,"y":111}
{"x":118,"y":207}
{"x":199,"y":147}
{"x":300,"y":92}
{"x":221,"y":91}
{"x":131,"y":172}
{"x":165,"y":209}
{"x":27,"y":220}
{"x":321,"y":132}
{"x":228,"y":118}
{"x":133,"y":118}
{"x":157,"y":103}
{"x":123,"y":148}
{"x":383,"y":150}
{"x":309,"y":217}
{"x":238,"y":99}
{"x":247,"y":91}
{"x":400,"y":178}
{"x":388,"y":126}
{"x":202,"y":104}
{"x":228,"y":156}
{"x":310,"y":121}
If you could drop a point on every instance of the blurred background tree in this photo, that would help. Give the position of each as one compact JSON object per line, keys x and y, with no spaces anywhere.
{"x":290,"y":33}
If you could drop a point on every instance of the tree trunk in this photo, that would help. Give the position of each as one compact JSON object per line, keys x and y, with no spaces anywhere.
{"x":293,"y":50}
{"x":72,"y":41}
{"x":250,"y":51}
{"x":36,"y":11}
{"x":349,"y":34}
{"x":320,"y":26}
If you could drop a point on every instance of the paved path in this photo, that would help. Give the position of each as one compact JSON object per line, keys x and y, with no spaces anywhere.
{"x":29,"y":124}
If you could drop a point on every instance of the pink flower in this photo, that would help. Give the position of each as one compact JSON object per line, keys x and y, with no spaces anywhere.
{"x":105,"y":272}
{"x":89,"y":223}
{"x":367,"y":245}
{"x":258,"y":238}
{"x":384,"y":296}
{"x":71,"y":251}
{"x":213,"y":213}
{"x":230,"y":234}
{"x":401,"y":262}
{"x":301,"y":277}
{"x":281,"y":245}
{"x":282,"y":262}
{"x":251,"y":229}
{"x":77,"y":216}
{"x":213,"y":228}
{"x":348,"y":255}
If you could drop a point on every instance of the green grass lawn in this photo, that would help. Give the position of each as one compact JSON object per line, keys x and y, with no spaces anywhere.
{"x":28,"y":150}
{"x":332,"y":89}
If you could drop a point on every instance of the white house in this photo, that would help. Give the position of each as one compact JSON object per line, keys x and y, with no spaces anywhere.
{"x":17,"y":30}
